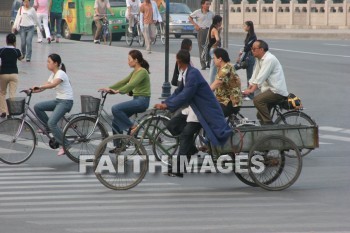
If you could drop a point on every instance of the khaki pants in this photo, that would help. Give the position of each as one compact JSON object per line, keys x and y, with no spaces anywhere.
{"x":264,"y":102}
{"x":10,"y":80}
{"x":149,"y":33}
{"x":98,"y":29}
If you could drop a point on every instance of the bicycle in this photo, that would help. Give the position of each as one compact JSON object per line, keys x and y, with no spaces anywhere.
{"x":86,"y":131}
{"x":136,"y":33}
{"x":18,"y":138}
{"x":105,"y":35}
{"x":160,"y":32}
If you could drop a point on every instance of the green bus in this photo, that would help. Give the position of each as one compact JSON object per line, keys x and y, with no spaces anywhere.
{"x":77,"y":19}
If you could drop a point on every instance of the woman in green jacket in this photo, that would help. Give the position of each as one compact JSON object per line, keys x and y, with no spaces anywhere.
{"x":137,"y":83}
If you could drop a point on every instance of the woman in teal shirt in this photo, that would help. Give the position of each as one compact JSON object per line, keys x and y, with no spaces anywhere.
{"x":137,"y":83}
{"x":56,"y":8}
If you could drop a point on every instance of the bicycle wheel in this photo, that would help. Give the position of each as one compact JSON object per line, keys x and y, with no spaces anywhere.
{"x":128,"y":164}
{"x":16,"y":150}
{"x":165,"y":145}
{"x":141,"y":39}
{"x":296,"y":118}
{"x":129,"y":37}
{"x":106,"y":36}
{"x":83,"y":137}
{"x":275,"y":171}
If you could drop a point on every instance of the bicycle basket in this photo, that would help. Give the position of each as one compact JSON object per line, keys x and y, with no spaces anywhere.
{"x":15,"y":105}
{"x":89,"y":104}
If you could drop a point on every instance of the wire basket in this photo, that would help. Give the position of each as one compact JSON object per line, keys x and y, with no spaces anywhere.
{"x":89,"y":104}
{"x":15,"y":105}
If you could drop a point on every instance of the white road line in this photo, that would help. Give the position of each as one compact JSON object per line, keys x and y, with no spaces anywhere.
{"x":342,"y":45}
{"x":333,"y":137}
{"x":325,"y":143}
{"x":311,"y":53}
{"x":34,"y":177}
{"x":35,"y":173}
{"x":330,"y":128}
{"x":25,"y":169}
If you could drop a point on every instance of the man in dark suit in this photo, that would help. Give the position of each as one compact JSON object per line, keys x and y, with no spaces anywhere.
{"x":195,"y":92}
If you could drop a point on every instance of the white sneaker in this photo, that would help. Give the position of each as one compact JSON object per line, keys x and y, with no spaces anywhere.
{"x":246,"y":98}
{"x":130,"y":30}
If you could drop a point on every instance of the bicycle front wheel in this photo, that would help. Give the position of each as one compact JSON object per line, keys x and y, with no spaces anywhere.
{"x":107,"y":36}
{"x":296,"y":118}
{"x":121,"y":162}
{"x":82,"y":137}
{"x":16,"y":149}
{"x":129,"y":37}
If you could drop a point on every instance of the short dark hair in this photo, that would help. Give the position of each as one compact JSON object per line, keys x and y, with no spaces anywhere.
{"x":222,"y":53}
{"x":183,"y":56}
{"x":263,"y":45}
{"x":203,"y":1}
{"x":11,"y":39}
{"x":186,"y":44}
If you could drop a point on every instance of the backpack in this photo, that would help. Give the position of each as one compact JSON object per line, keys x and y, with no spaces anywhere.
{"x":292,"y":102}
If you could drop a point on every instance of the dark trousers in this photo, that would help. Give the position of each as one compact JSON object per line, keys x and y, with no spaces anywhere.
{"x":264,"y":102}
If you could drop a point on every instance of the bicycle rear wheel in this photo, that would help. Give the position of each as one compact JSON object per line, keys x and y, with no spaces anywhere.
{"x":296,"y":118}
{"x":127,"y":164}
{"x":281,"y":162}
{"x":16,"y":150}
{"x":83,"y":137}
{"x":141,"y":39}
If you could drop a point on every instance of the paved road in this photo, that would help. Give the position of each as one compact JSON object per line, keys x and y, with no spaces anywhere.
{"x":48,"y":194}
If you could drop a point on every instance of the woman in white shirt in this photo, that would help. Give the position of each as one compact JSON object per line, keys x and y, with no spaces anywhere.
{"x":63,"y":102}
{"x":25,"y":20}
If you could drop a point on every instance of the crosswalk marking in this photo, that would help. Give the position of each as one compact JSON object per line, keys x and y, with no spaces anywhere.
{"x":334,"y":137}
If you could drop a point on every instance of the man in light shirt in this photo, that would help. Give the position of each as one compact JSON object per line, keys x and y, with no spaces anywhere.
{"x":42,"y":10}
{"x":100,"y":7}
{"x":204,"y":18}
{"x":133,"y":9}
{"x":267,"y":76}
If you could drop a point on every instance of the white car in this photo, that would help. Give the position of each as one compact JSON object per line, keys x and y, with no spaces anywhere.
{"x":179,"y":23}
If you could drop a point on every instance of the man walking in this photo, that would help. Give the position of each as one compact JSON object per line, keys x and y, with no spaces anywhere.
{"x":204,"y":18}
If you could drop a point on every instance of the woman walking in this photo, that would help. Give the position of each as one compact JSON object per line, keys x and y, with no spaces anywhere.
{"x":246,"y":55}
{"x":25,"y":21}
{"x":214,"y":42}
{"x":8,"y":71}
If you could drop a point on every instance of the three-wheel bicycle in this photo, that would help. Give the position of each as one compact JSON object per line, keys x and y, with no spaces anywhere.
{"x":277,"y":147}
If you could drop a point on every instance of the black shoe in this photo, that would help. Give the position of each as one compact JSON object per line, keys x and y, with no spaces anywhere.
{"x":179,"y":175}
{"x":3,"y":115}
{"x":208,"y":66}
{"x":204,"y":68}
{"x":117,"y":150}
{"x":28,"y":60}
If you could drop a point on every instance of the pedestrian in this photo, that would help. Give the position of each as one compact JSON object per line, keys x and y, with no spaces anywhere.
{"x":214,"y":41}
{"x":100,"y":7}
{"x":132,"y":11}
{"x":56,"y":9}
{"x":8,"y":71}
{"x":149,"y":16}
{"x":187,"y":45}
{"x":42,"y":11}
{"x":204,"y":18}
{"x":63,"y":103}
{"x":267,"y":76}
{"x":25,"y":21}
{"x":246,"y":54}
{"x":137,"y":84}
{"x":195,"y":92}
{"x":227,"y":84}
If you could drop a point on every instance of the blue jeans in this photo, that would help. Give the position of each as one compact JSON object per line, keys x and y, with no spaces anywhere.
{"x":26,"y":34}
{"x":55,"y":22}
{"x":59,"y":108}
{"x":213,"y":69}
{"x":121,"y":112}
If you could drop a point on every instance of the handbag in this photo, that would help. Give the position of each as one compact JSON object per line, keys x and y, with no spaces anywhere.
{"x":17,"y":27}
